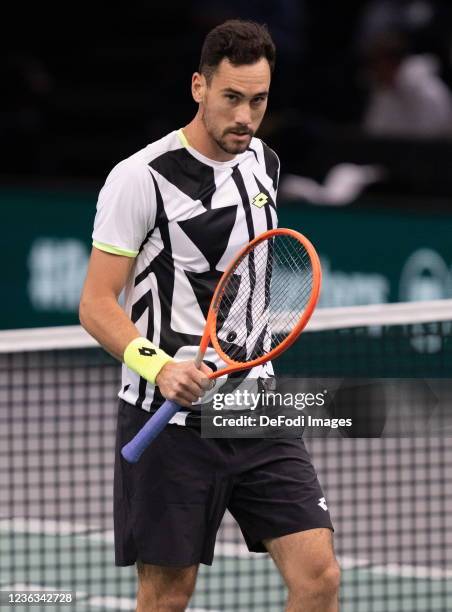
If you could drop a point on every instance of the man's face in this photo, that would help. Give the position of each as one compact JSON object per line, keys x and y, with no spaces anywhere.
{"x":234,"y":103}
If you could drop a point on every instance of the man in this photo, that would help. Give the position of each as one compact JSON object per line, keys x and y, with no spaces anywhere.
{"x":169,"y":219}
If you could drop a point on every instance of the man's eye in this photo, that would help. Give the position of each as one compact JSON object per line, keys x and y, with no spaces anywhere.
{"x":258,"y":100}
{"x":231,"y":97}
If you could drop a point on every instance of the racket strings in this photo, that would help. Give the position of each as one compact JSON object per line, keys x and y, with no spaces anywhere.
{"x":264,"y":298}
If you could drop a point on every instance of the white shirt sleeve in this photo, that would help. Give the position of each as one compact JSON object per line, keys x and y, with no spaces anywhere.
{"x":126,"y":209}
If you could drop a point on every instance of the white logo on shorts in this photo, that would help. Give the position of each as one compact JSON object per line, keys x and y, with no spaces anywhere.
{"x":322,"y":503}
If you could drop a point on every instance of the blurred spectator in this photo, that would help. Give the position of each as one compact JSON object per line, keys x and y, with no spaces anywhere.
{"x":408,"y":98}
{"x":381,"y":16}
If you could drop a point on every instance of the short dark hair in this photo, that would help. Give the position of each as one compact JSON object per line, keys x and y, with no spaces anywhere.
{"x":241,"y":42}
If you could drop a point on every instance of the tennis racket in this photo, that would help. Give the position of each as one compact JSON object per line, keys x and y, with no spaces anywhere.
{"x":259,"y":308}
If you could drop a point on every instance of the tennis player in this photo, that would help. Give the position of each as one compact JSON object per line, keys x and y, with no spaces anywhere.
{"x":169,"y":219}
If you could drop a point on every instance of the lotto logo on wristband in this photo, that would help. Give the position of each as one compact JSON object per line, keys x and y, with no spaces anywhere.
{"x":146,"y":351}
{"x":148,"y":369}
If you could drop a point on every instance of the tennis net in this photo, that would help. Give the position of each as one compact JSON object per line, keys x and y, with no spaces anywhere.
{"x":390,"y":497}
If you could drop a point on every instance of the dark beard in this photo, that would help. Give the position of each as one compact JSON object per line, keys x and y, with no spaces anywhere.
{"x":229,"y":149}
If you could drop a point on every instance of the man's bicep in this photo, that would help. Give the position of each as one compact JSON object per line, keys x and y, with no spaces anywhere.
{"x":107,"y":274}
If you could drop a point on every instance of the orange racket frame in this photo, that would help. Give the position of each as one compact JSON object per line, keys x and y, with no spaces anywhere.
{"x":209,"y":334}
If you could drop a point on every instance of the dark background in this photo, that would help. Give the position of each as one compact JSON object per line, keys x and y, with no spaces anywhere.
{"x":82,"y":91}
{"x":85,"y":86}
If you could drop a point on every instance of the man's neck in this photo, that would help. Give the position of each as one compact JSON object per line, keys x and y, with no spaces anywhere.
{"x":198,"y":138}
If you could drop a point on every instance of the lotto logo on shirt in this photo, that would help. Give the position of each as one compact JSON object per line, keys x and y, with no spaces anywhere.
{"x":260,"y":200}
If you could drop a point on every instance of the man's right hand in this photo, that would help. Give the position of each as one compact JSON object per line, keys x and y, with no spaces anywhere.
{"x":182,"y":382}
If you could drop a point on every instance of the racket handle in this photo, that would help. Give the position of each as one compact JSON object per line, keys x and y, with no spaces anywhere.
{"x":133,"y":450}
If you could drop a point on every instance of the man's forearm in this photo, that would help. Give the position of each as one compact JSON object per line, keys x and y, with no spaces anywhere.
{"x":105,"y":320}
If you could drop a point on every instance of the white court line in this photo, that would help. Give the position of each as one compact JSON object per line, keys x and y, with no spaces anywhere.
{"x":93,"y":532}
{"x":412,"y":571}
{"x":222,"y":549}
{"x":126,"y":603}
{"x":107,"y":537}
{"x":349,"y":563}
{"x":43,"y":526}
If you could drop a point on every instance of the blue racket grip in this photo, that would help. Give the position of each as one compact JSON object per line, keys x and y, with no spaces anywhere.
{"x":133,"y":450}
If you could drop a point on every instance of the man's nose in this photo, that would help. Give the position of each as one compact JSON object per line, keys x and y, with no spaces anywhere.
{"x":243,"y":115}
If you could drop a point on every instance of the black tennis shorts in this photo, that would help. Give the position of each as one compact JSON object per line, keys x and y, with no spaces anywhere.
{"x":169,"y":505}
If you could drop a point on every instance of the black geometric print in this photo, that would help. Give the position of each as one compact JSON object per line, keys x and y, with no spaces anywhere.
{"x":211,"y":231}
{"x":203,"y":286}
{"x":189,"y":175}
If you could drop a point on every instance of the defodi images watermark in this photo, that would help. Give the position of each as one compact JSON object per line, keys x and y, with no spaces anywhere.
{"x":324,"y":407}
{"x":258,"y":402}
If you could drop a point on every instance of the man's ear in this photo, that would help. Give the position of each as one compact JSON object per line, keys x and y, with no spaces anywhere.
{"x":198,"y":87}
